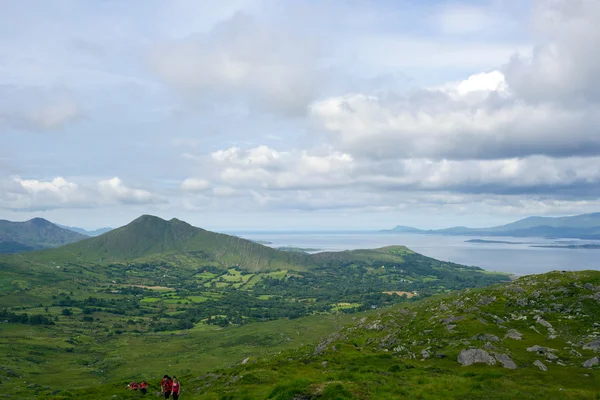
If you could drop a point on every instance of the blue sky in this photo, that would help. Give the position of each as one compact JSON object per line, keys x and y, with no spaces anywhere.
{"x":270,"y":114}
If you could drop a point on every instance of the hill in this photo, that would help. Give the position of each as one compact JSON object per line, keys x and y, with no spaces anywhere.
{"x":95,"y":232}
{"x":121,"y":306}
{"x":536,"y":337}
{"x":151,"y":239}
{"x":35,"y":234}
{"x":585,"y":226}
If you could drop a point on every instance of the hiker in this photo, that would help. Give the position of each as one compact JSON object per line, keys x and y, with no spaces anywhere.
{"x":175,"y":388}
{"x":132,"y":386}
{"x":166,"y":385}
{"x":143,"y":387}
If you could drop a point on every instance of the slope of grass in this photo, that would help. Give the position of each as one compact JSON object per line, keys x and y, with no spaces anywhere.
{"x":411,"y":352}
{"x":35,"y":234}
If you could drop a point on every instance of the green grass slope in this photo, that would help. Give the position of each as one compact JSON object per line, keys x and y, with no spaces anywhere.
{"x":152,"y":239}
{"x":535,"y":338}
{"x":35,"y":234}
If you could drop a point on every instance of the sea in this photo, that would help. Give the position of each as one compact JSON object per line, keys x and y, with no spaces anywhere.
{"x":518,"y":257}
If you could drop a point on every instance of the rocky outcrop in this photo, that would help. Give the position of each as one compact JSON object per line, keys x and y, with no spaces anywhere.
{"x":475,"y":356}
{"x":486,"y":337}
{"x":513,"y":334}
{"x":540,"y":365}
{"x":591,"y":362}
{"x":505,"y":361}
{"x":595,"y":345}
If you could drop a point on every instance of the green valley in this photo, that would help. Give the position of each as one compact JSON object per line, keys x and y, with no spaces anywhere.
{"x":156,"y":295}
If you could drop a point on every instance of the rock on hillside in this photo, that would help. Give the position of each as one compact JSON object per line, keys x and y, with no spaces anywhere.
{"x":542,"y":321}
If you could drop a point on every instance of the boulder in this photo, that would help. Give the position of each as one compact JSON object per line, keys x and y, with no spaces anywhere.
{"x":474,"y":356}
{"x":486,"y":337}
{"x":594,"y":345}
{"x":485,"y":300}
{"x":425,"y":354}
{"x":540,"y":365}
{"x":513,"y":334}
{"x":591,"y":362}
{"x":505,"y":361}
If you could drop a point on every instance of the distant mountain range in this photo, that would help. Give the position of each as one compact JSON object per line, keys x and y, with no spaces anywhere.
{"x":585,"y":226}
{"x":93,"y":233}
{"x":35,"y":234}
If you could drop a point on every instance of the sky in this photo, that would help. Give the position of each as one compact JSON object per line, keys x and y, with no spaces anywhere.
{"x":289,"y":114}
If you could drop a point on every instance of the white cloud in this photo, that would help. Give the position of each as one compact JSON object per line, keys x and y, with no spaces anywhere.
{"x":195,"y":185}
{"x":476,"y":125}
{"x":113,"y":190}
{"x":245,"y":60}
{"x":565,"y":65}
{"x":33,"y":194}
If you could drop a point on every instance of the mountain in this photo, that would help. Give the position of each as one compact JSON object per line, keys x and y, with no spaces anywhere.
{"x":149,"y":238}
{"x":585,"y":226}
{"x":35,"y":234}
{"x":96,"y":232}
{"x":534,"y":338}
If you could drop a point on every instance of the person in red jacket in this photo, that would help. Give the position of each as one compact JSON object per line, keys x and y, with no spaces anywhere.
{"x":144,"y":387}
{"x":175,"y":388}
{"x":166,"y":386}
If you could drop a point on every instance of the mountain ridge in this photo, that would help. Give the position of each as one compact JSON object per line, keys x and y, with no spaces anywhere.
{"x":92,"y":233}
{"x":34,"y":234}
{"x":150,"y":238}
{"x":583,"y":226}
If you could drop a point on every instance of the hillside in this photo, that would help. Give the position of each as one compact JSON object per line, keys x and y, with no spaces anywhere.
{"x":35,"y":234}
{"x":95,"y":232}
{"x":585,"y":226}
{"x":537,"y":337}
{"x":80,"y":320}
{"x":153,"y":240}
{"x":150,"y":251}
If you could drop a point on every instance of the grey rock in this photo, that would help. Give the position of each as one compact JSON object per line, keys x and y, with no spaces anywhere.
{"x":485,"y":300}
{"x":513,"y":334}
{"x":551,"y":357}
{"x":588,"y":286}
{"x":450,"y":327}
{"x":540,"y":365}
{"x":443,"y":307}
{"x":490,"y":346}
{"x":425,"y":354}
{"x":575,"y":353}
{"x":486,"y":337}
{"x":451,"y":319}
{"x":594,"y":345}
{"x":505,"y":361}
{"x":246,"y":360}
{"x":324,"y":364}
{"x":544,"y":323}
{"x":473,"y":356}
{"x":591,"y":362}
{"x":522,"y":302}
{"x":537,"y":349}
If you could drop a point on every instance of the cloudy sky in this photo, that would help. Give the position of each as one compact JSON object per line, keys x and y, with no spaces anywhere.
{"x":280,"y":114}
